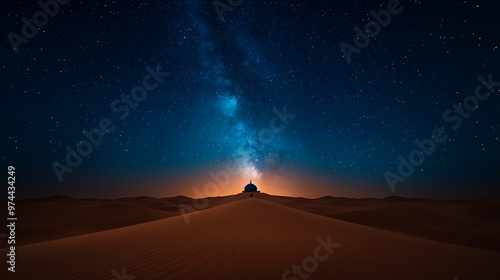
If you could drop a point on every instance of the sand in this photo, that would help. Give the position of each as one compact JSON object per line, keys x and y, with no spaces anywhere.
{"x":470,"y":222}
{"x":251,"y":238}
{"x":57,"y":217}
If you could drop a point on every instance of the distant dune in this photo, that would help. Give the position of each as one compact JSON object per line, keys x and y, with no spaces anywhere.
{"x":56,"y":217}
{"x":473,"y":223}
{"x":253,"y":238}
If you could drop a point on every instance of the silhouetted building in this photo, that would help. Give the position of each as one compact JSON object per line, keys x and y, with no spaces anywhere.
{"x":250,"y":188}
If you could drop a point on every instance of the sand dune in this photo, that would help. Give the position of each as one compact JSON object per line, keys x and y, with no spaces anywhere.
{"x":474,"y":223}
{"x":56,"y":217}
{"x":251,"y":238}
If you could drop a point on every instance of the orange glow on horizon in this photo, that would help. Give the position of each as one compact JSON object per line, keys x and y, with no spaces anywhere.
{"x":207,"y":182}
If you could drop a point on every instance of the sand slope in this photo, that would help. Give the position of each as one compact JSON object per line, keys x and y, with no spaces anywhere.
{"x":56,"y":217}
{"x":469,"y":222}
{"x":250,"y":239}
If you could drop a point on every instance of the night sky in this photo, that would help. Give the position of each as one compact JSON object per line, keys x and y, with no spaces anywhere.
{"x":267,"y":89}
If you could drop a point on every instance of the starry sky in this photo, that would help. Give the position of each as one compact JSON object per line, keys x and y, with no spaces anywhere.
{"x":264,"y":86}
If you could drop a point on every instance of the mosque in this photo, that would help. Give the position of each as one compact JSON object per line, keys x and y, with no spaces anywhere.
{"x":251,"y":188}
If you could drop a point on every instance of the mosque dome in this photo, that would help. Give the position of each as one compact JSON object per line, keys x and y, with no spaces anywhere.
{"x":250,"y":187}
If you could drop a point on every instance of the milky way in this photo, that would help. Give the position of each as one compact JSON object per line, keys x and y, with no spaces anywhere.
{"x":231,"y":82}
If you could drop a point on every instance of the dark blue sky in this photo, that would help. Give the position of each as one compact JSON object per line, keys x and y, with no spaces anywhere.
{"x":338,"y":127}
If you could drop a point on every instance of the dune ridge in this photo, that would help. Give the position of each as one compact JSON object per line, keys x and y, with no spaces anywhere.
{"x":469,"y":222}
{"x":251,"y":238}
